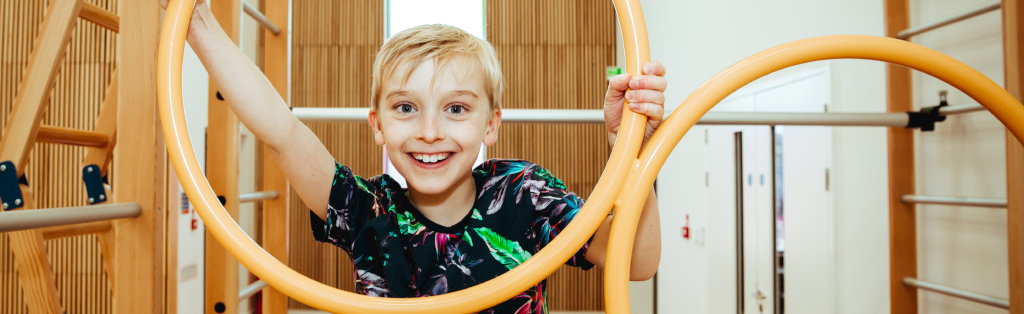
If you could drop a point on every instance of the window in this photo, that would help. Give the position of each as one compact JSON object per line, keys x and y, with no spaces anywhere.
{"x":465,"y":14}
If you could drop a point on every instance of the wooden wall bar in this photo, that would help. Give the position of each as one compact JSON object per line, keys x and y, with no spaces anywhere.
{"x":553,"y":54}
{"x":54,"y":171}
{"x":1013,"y":47}
{"x":902,"y":216}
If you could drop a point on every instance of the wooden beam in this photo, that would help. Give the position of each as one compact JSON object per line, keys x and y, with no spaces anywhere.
{"x":106,"y":124}
{"x":38,"y":283}
{"x":58,"y":232}
{"x":34,"y":91}
{"x":99,"y":16}
{"x":59,"y":135}
{"x":1013,"y":54}
{"x":222,"y":171}
{"x":276,"y":66}
{"x":902,"y":216}
{"x":137,"y":177}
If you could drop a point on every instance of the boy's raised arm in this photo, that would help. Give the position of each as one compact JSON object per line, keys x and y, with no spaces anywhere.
{"x":300,"y":154}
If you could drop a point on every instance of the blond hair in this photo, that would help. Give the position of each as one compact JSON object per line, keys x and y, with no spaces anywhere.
{"x":443,"y":44}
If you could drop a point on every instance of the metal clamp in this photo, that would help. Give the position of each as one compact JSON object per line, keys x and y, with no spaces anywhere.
{"x":926,"y":118}
{"x":10,"y":187}
{"x":94,"y":184}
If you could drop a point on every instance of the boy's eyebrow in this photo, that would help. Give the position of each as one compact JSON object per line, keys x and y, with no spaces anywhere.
{"x":462,"y":92}
{"x":396,"y":93}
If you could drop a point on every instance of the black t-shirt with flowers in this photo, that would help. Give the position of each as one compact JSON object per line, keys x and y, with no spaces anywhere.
{"x":520,"y":207}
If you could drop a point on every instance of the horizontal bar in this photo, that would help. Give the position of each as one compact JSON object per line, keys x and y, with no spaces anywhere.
{"x":958,"y":201}
{"x":958,"y":109}
{"x":57,"y":232}
{"x":910,"y":32}
{"x":966,"y":295}
{"x":595,"y":116}
{"x":251,"y":289}
{"x":106,"y":19}
{"x":48,"y":217}
{"x":257,"y":196}
{"x":259,"y":17}
{"x":52,"y":134}
{"x":805,"y":118}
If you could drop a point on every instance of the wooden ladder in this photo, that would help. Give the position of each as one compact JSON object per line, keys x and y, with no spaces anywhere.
{"x":24,"y":130}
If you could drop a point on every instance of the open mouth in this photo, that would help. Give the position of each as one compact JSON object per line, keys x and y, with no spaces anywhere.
{"x":432,"y":158}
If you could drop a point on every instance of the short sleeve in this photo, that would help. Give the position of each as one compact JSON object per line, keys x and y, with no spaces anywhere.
{"x":352,"y":203}
{"x":554,"y":207}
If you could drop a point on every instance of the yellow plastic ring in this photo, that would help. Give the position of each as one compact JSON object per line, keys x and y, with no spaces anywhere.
{"x":983,"y":90}
{"x":318,"y":295}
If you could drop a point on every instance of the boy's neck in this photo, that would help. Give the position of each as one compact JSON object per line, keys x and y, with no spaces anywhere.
{"x":449,"y":207}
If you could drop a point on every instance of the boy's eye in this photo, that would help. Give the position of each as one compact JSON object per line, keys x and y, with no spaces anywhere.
{"x":456,"y":109}
{"x":405,"y":108}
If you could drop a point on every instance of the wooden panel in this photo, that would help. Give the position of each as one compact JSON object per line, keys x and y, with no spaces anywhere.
{"x":333,"y":48}
{"x":1013,"y":39}
{"x":902,"y":216}
{"x":553,"y":55}
{"x":138,"y":170}
{"x":53,"y":170}
{"x":275,"y":213}
{"x":222,"y":154}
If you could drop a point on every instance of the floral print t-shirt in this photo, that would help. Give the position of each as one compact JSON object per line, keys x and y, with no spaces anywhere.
{"x":520,"y":207}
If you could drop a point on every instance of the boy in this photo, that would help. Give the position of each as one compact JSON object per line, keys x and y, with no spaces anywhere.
{"x":436,"y":95}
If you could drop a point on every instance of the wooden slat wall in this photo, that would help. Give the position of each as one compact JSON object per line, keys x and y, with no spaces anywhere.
{"x":553,"y":54}
{"x":53,"y":172}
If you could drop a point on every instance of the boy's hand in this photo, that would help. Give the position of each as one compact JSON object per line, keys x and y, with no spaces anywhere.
{"x":646,"y":96}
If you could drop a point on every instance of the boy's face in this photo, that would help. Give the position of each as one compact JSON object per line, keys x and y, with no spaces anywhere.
{"x":433,"y":131}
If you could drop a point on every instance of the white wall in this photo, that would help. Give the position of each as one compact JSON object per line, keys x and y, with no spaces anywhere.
{"x":697,"y":39}
{"x":961,"y":247}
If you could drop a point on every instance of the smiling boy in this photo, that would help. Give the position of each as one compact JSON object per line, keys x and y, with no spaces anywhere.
{"x":436,"y":96}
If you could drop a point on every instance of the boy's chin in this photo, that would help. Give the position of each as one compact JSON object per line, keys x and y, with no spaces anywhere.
{"x":430,"y":186}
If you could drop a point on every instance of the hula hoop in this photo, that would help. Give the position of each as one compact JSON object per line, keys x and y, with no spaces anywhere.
{"x":620,"y":244}
{"x":308,"y":291}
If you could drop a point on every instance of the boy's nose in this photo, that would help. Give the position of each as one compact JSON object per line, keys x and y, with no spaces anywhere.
{"x":431,"y":131}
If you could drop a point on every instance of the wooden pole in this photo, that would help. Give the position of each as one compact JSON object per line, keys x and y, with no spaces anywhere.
{"x":1013,"y":37}
{"x":902,"y":216}
{"x":222,"y":153}
{"x":137,"y":170}
{"x":34,"y":270}
{"x":276,"y":66}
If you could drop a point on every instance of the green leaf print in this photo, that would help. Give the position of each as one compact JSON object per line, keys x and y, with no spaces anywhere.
{"x":504,"y":250}
{"x":467,"y":238}
{"x":476,"y":215}
{"x":361,"y":184}
{"x":407,"y":224}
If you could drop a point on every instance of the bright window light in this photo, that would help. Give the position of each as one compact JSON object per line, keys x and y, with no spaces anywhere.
{"x":465,"y":14}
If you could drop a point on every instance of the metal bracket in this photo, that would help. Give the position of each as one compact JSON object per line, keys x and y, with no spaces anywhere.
{"x":94,"y":184}
{"x":10,"y":188}
{"x":926,"y":118}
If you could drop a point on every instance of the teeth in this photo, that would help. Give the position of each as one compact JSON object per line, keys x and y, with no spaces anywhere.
{"x":430,"y":158}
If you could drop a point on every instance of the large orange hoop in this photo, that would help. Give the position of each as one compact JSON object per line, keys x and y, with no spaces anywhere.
{"x":308,"y":291}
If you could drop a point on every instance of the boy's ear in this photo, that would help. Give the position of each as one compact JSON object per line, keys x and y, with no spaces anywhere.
{"x":492,"y":128}
{"x":378,"y":132}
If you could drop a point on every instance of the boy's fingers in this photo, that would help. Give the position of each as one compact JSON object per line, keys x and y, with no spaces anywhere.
{"x":653,"y":112}
{"x":653,"y":68}
{"x":652,"y":82}
{"x":617,"y":86}
{"x":639,"y":96}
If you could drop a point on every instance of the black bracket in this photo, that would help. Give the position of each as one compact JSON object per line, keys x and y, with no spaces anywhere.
{"x":926,"y":118}
{"x":10,"y":187}
{"x":94,"y":184}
